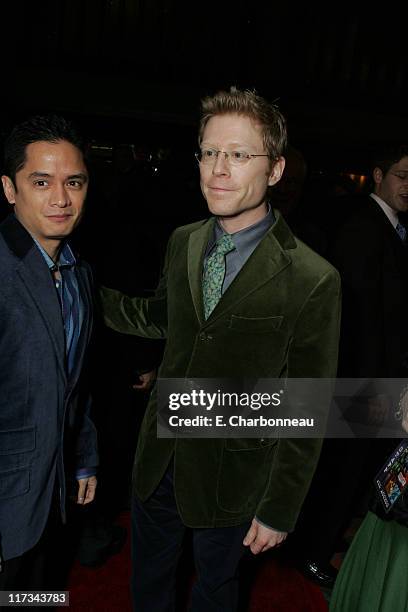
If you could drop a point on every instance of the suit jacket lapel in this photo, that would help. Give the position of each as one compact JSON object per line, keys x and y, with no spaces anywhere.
{"x":268,"y":259}
{"x":36,"y":277}
{"x":390,"y":236}
{"x":197,"y":244}
{"x":38,"y":282}
{"x":85,"y":296}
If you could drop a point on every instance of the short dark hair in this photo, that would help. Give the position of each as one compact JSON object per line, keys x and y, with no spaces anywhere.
{"x":388,"y":156}
{"x":249,"y":104}
{"x":48,"y":128}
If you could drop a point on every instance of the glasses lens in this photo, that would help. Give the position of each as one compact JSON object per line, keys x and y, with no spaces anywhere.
{"x":208,"y":156}
{"x":238,"y":157}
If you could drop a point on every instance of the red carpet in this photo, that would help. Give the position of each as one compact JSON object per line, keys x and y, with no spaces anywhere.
{"x":277,"y":588}
{"x":274,"y":587}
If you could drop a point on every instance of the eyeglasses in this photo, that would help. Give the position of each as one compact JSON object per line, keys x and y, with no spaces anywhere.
{"x":236,"y":158}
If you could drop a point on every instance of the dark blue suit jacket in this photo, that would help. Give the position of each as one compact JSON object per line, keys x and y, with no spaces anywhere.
{"x":44,"y":423}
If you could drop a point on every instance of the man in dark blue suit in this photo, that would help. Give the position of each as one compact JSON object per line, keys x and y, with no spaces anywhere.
{"x":369,"y":249}
{"x":45,"y":324}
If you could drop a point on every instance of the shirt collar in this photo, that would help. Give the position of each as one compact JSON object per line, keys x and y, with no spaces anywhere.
{"x":66,"y":258}
{"x":243,"y":239}
{"x":390,"y":212}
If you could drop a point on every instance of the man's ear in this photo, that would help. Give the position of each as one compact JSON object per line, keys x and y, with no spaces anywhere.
{"x":9,"y":189}
{"x":377,"y":175}
{"x":277,"y":171}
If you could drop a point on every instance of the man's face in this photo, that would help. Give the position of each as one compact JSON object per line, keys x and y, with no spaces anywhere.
{"x":393,"y":186}
{"x":50,"y":190}
{"x":236,"y":194}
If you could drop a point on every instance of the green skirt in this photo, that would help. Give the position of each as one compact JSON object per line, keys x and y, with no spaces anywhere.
{"x":374,"y":574}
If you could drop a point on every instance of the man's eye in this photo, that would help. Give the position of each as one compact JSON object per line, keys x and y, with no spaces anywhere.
{"x":208,"y":153}
{"x":40,"y":183}
{"x":239,"y":155}
{"x":75,"y":184}
{"x":401,"y":175}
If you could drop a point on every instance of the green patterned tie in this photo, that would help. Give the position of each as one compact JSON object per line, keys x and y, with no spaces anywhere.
{"x":214,"y":273}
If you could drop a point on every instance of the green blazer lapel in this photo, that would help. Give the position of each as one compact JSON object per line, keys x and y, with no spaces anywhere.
{"x":269,"y":258}
{"x":197,"y":244}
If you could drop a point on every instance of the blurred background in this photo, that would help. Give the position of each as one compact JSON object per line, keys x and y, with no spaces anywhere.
{"x":132,"y":72}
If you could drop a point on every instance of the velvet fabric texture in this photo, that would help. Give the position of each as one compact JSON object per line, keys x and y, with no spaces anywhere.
{"x":279,"y":318}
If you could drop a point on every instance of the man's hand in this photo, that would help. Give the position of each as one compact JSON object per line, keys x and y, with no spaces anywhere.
{"x":260,"y":538}
{"x":147,"y":379}
{"x":86,"y":490}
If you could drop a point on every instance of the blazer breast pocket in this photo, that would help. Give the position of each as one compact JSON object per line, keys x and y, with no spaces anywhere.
{"x":253,"y":325}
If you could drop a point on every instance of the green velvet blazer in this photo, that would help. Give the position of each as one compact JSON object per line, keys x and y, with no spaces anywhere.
{"x":279,"y":318}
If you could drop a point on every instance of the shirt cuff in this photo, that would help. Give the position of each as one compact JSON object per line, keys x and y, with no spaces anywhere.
{"x":85,"y":473}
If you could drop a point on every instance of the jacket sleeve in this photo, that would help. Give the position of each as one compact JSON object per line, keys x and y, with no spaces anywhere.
{"x":86,"y":450}
{"x":85,"y":436}
{"x":312,"y":354}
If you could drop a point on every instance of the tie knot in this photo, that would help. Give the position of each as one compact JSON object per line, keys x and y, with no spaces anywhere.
{"x":224,"y":244}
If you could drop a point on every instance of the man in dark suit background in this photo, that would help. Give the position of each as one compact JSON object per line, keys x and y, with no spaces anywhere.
{"x":45,"y":324}
{"x":370,"y":252}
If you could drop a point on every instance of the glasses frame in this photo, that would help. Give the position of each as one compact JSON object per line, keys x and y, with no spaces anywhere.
{"x":247,"y":156}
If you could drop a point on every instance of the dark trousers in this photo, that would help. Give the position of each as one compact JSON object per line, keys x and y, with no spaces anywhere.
{"x":157,"y":538}
{"x":40,"y":567}
{"x":26,"y":572}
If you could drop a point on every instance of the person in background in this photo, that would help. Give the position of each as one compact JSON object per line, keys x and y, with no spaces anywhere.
{"x":370,"y":251}
{"x":372,"y":576}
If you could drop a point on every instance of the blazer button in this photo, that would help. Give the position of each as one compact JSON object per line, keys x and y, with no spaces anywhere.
{"x":204,"y":336}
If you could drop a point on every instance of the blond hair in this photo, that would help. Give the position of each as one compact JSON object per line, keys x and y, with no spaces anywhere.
{"x":249,"y":104}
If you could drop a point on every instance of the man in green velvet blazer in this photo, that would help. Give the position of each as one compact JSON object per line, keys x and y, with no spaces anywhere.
{"x":278,"y":316}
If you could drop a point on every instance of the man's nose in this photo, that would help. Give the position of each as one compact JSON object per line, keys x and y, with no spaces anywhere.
{"x":221,"y":165}
{"x":61,"y":196}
